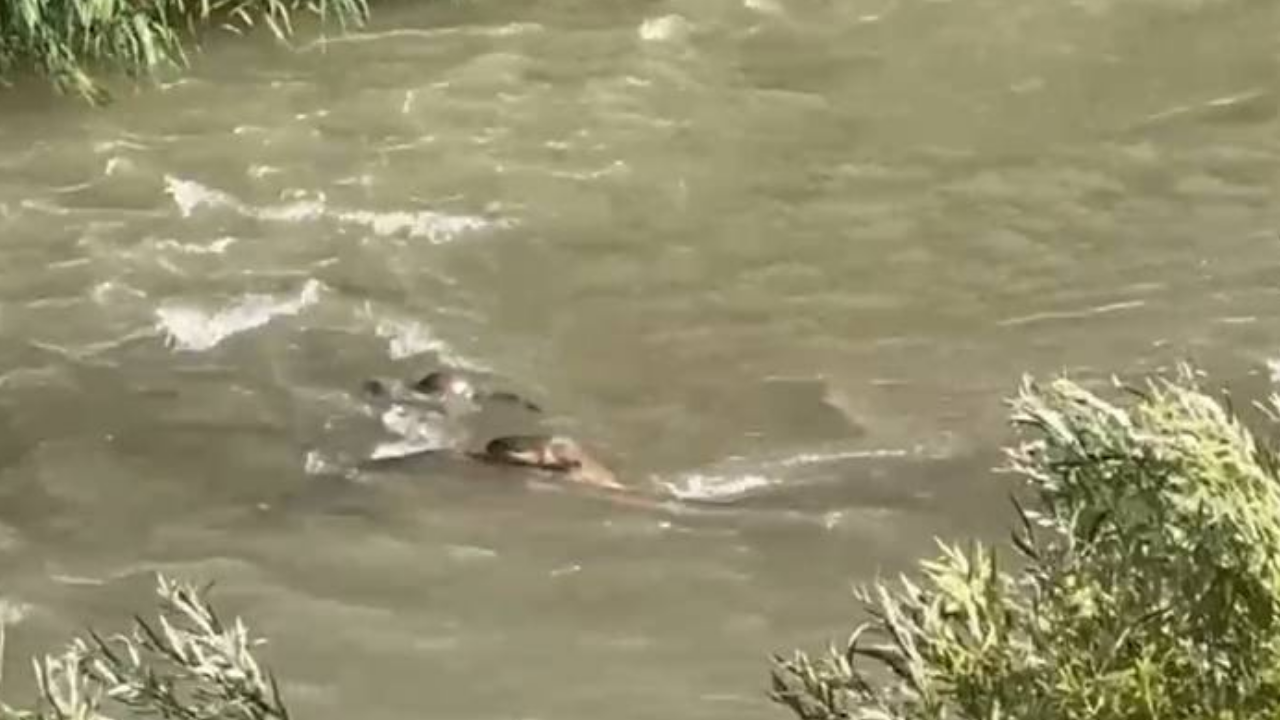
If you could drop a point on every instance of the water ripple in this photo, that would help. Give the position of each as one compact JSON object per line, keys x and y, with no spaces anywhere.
{"x":195,"y":329}
{"x":1072,"y":314}
{"x":436,"y":227}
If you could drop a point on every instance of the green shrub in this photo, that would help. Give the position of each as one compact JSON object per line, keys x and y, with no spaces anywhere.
{"x":67,"y":40}
{"x":186,"y":665}
{"x":1147,"y":583}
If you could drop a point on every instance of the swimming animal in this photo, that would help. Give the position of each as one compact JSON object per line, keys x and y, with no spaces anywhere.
{"x":554,"y":453}
{"x":443,"y":386}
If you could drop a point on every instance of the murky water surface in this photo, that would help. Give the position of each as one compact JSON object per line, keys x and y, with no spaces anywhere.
{"x":785,"y":256}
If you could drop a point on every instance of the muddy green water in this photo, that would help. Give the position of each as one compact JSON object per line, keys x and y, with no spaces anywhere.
{"x":785,"y":256}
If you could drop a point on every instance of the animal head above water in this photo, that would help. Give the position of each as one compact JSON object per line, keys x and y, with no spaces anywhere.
{"x":549,"y":452}
{"x":514,"y":399}
{"x":443,"y":382}
{"x":375,"y":388}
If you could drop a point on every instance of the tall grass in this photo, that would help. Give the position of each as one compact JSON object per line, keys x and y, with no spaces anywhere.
{"x":74,"y":42}
{"x":1147,"y":582}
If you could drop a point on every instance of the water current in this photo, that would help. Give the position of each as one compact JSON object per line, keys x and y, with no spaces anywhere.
{"x":786,"y":257}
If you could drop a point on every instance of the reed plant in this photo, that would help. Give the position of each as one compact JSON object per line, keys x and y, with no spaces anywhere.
{"x":1146,"y":580}
{"x":77,"y":42}
{"x":186,"y":664}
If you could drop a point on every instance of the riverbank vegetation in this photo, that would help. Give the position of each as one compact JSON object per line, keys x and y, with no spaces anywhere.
{"x":187,"y":664}
{"x":1146,"y":585}
{"x":77,"y":43}
{"x":1146,"y":582}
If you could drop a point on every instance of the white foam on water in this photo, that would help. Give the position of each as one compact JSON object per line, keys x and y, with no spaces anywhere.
{"x":194,"y":329}
{"x":767,"y":473}
{"x":766,"y":7}
{"x":414,"y":424}
{"x":106,"y":146}
{"x":697,"y":486}
{"x":436,"y":227}
{"x":316,"y":463}
{"x":190,"y":196}
{"x":416,"y":34}
{"x":803,"y":459}
{"x":116,"y":165}
{"x":399,"y":449}
{"x":294,"y":211}
{"x":408,"y":338}
{"x":417,"y":429}
{"x":667,"y":27}
{"x":105,"y":291}
{"x":468,"y":553}
{"x":217,"y":247}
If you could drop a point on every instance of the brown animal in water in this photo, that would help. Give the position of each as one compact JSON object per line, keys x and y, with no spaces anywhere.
{"x":554,"y":453}
{"x":444,"y":383}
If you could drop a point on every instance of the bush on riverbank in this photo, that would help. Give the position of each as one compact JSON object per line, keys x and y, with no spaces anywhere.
{"x":1148,"y":582}
{"x":186,"y":665}
{"x":72,"y":41}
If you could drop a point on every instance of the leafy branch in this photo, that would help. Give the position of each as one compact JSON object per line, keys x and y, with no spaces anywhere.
{"x":1147,"y":583}
{"x":187,"y":664}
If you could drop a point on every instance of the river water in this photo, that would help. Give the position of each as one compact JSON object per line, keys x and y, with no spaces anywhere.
{"x":786,"y":257}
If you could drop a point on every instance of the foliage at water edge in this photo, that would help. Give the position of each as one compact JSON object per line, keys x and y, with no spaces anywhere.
{"x":1147,"y":581}
{"x":72,"y":41}
{"x":188,"y":664}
